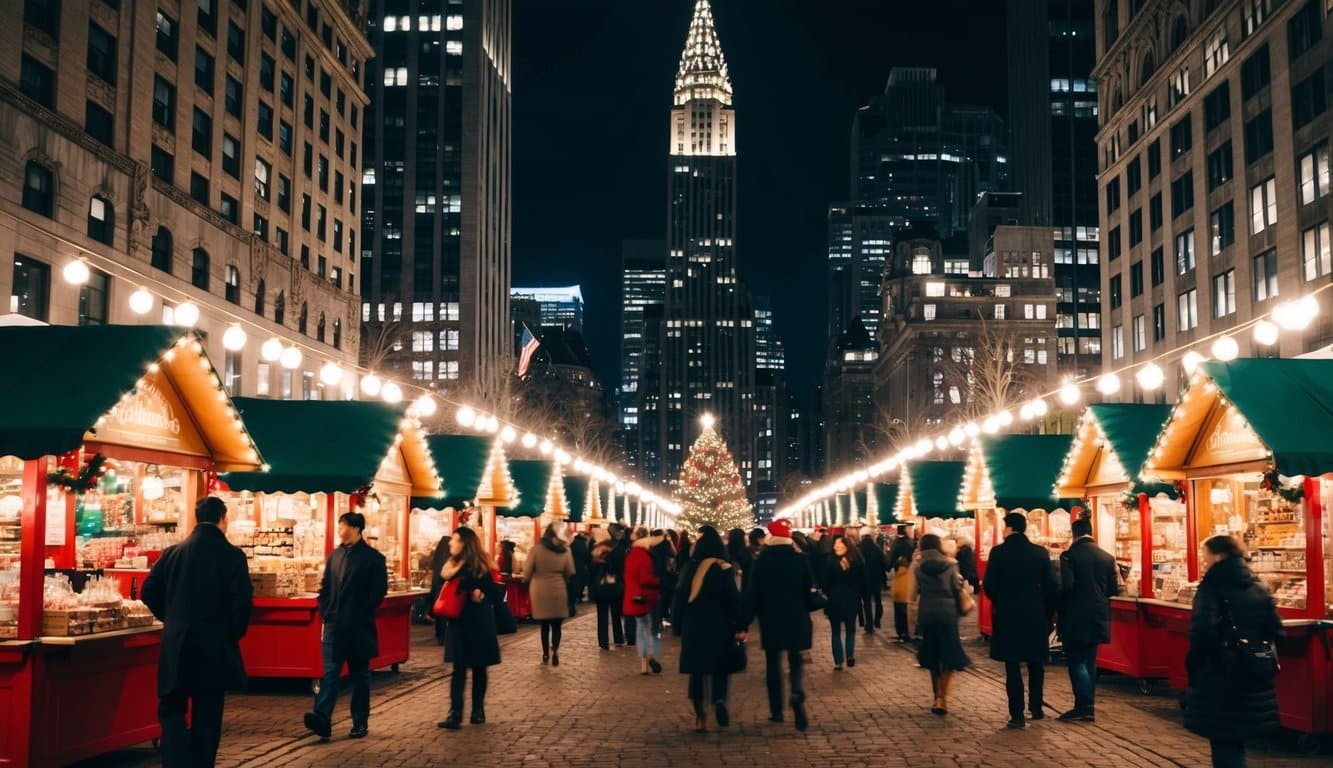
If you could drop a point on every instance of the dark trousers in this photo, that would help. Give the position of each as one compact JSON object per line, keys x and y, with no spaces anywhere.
{"x":773,"y":677}
{"x":872,"y":609}
{"x":551,"y":630}
{"x":631,"y":627}
{"x":719,"y":686}
{"x":358,"y":670}
{"x":457,"y":682}
{"x":1082,"y":661}
{"x":1013,"y":686}
{"x":194,"y":745}
{"x":900,"y":620}
{"x":1227,"y":753}
{"x":844,"y":638}
{"x":608,"y":615}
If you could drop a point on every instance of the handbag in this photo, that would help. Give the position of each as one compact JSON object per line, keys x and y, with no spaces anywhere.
{"x":1249,"y":664}
{"x":449,"y":605}
{"x":815,"y":600}
{"x":736,"y":659}
{"x":966,"y":603}
{"x":505,"y":623}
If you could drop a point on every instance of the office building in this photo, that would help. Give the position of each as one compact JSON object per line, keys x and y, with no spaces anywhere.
{"x":435,"y":245}
{"x":848,"y":392}
{"x":206,"y":155}
{"x":1214,"y":179}
{"x":642,"y":284}
{"x":1053,"y":158}
{"x":860,"y":240}
{"x":561,"y":307}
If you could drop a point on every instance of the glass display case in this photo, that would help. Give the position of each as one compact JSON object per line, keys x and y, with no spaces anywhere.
{"x":1127,"y":542}
{"x":1170,"y":550}
{"x":1050,"y":529}
{"x":1272,"y":529}
{"x":384,"y":522}
{"x":131,"y":513}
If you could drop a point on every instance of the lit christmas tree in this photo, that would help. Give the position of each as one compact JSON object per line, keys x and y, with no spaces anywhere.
{"x":709,"y":490}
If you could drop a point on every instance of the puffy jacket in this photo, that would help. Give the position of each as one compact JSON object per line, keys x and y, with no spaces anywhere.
{"x":937,"y":585}
{"x":641,"y":581}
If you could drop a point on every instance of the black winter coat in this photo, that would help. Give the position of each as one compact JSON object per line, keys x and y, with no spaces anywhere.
{"x":1214,"y":707}
{"x":200,"y":590}
{"x":877,"y":566}
{"x":779,"y":584}
{"x":608,"y":559}
{"x":900,"y":552}
{"x":845,"y":589}
{"x":967,"y":565}
{"x":708,"y":623}
{"x":1088,"y":581}
{"x":1021,"y":583}
{"x":471,"y":640}
{"x":354,"y":584}
{"x":582,"y":559}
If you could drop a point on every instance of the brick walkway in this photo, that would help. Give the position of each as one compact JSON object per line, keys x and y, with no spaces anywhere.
{"x":596,"y":711}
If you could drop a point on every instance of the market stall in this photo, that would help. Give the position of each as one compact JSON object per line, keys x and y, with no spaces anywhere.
{"x":374,"y":459}
{"x":1111,"y":442}
{"x":1013,"y":473}
{"x":108,"y":436}
{"x":462,"y":459}
{"x":883,"y":500}
{"x":1249,"y":441}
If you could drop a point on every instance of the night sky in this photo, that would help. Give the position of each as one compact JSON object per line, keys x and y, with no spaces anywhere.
{"x":592,"y":95}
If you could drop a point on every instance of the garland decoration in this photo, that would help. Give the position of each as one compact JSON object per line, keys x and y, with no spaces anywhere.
{"x":82,"y":481}
{"x":1274,"y":483}
{"x":1129,"y":500}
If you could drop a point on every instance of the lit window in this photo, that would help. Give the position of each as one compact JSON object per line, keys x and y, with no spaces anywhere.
{"x":934,"y":289}
{"x":999,"y":311}
{"x":1187,"y":310}
{"x":1315,"y":255}
{"x":453,"y":23}
{"x":1314,"y":174}
{"x":454,"y":47}
{"x":1263,"y":205}
{"x":928,"y":312}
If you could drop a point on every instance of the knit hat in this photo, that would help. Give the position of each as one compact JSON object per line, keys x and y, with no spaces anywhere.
{"x":780,"y":528}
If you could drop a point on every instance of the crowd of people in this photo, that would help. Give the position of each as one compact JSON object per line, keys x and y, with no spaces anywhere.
{"x":709,"y":590}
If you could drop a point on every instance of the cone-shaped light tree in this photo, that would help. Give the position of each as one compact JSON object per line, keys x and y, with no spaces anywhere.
{"x":710,"y":490}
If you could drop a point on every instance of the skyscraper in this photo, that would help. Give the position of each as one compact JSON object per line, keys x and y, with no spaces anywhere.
{"x":708,"y":350}
{"x":1052,"y":142}
{"x":642,"y":284}
{"x":560,"y":306}
{"x":435,"y":258}
{"x":860,"y":240}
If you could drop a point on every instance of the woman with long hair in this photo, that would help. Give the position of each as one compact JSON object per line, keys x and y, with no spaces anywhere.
{"x":1228,"y":702}
{"x":547,"y":571}
{"x":738,"y":552}
{"x":938,"y":583}
{"x":708,"y":616}
{"x":470,"y":641}
{"x":845,"y":582}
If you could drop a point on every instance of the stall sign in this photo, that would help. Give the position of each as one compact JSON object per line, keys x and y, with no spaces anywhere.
{"x":394,"y":470}
{"x":1228,"y":439}
{"x":154,"y":418}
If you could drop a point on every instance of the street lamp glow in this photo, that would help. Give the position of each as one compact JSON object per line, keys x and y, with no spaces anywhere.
{"x":141,"y":301}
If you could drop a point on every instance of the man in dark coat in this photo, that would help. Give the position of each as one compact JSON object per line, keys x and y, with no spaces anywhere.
{"x":779,"y":586}
{"x":578,"y":548}
{"x":900,"y":563}
{"x":200,"y":590}
{"x":1021,"y":583}
{"x":877,"y":575}
{"x":355,"y":582}
{"x":1088,"y":581}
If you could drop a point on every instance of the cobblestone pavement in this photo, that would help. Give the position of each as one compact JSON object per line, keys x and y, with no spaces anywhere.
{"x":594,"y":710}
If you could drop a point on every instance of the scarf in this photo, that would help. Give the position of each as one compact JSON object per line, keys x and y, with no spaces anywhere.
{"x":701,"y":571}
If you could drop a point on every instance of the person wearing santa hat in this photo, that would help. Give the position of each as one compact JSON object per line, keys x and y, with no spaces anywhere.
{"x":780,"y":585}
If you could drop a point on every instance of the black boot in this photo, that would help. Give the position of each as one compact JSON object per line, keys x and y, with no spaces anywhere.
{"x":453,"y":721}
{"x":700,"y":716}
{"x":798,"y":710}
{"x":478,"y":714}
{"x":723,"y":716}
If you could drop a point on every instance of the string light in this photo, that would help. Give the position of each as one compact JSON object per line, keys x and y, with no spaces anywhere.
{"x":331,"y":374}
{"x":1191,"y":361}
{"x":291,"y":358}
{"x":1108,"y":384}
{"x":76,"y":272}
{"x":186,"y":314}
{"x":1265,"y":333}
{"x":425,"y":406}
{"x":141,"y":301}
{"x":391,"y":392}
{"x":1225,"y":348}
{"x":371,"y":385}
{"x":271,"y":350}
{"x":234,"y":338}
{"x":1070,"y":393}
{"x":1150,"y":376}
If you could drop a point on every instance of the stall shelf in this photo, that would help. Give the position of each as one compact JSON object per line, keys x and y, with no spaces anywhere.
{"x":1111,"y":442}
{"x":1249,"y":442}
{"x":144,"y":402}
{"x":375,"y":459}
{"x":1011,"y":473}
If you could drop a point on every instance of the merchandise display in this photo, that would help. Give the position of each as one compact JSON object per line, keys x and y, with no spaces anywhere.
{"x":1271,"y":527}
{"x":1050,"y":529}
{"x":98,"y":608}
{"x":1170,"y":551}
{"x":1128,"y":543}
{"x":1326,"y":498}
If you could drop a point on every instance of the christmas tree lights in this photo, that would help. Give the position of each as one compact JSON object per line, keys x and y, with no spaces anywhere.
{"x":709,"y":490}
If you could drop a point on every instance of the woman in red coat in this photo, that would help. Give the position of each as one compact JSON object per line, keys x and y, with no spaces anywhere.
{"x":642,"y":591}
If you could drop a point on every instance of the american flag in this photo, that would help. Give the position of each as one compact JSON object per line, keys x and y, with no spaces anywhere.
{"x":530,"y":344}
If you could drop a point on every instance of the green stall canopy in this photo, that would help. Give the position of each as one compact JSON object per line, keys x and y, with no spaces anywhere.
{"x":1024,"y":468}
{"x":934,"y":488}
{"x":886,"y":497}
{"x":531,"y":476}
{"x":576,"y":493}
{"x":1289,"y":405}
{"x":1131,"y":432}
{"x":461,"y":459}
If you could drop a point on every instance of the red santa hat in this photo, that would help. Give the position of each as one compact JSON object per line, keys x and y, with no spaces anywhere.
{"x":780,"y":528}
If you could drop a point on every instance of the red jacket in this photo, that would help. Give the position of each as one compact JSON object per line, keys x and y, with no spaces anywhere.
{"x":640,"y":580}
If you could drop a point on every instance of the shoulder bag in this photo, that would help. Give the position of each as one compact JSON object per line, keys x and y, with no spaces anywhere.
{"x":1250,"y":664}
{"x":449,"y":605}
{"x":963,"y":595}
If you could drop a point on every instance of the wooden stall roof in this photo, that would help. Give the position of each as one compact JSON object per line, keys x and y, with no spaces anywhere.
{"x":72,"y":384}
{"x":1012,"y":471}
{"x":1110,"y":445}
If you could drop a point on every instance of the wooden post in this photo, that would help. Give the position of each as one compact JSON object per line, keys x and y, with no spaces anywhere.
{"x":1145,"y":546}
{"x":32,"y":548}
{"x":1314,"y":549}
{"x":404,"y":543}
{"x":1191,"y":532}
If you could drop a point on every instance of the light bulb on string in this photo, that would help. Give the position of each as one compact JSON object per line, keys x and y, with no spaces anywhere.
{"x":186,"y":314}
{"x":1191,"y":361}
{"x":1039,"y":407}
{"x":466,"y":416}
{"x":76,"y":272}
{"x":234,"y":338}
{"x":141,"y":301}
{"x":971,"y":429}
{"x":1266,"y":333}
{"x":371,"y":385}
{"x":1150,"y":376}
{"x":546,"y":448}
{"x":271,"y":350}
{"x":529,"y":440}
{"x":990,"y":425}
{"x":425,"y":406}
{"x":508,"y":434}
{"x":1025,"y":412}
{"x":291,"y":358}
{"x":391,"y":392}
{"x":1108,"y":384}
{"x":956,"y":436}
{"x":1070,"y":393}
{"x":1005,"y":417}
{"x":942,"y":443}
{"x":331,"y":374}
{"x":1225,"y":348}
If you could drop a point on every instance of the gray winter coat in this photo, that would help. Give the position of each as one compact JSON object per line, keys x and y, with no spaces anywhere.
{"x":937,"y":585}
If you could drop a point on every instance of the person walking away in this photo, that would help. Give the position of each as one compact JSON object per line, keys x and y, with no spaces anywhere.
{"x":877,"y":579}
{"x":621,"y":535}
{"x":664,"y":566}
{"x":1228,"y":702}
{"x":200,"y":590}
{"x":738,"y":552}
{"x":936,"y":587}
{"x":1021,"y":583}
{"x":471,"y":642}
{"x":779,"y":586}
{"x":845,"y":584}
{"x":607,"y":589}
{"x":967,"y":563}
{"x":642,"y":592}
{"x":547,"y":572}
{"x":437,"y":559}
{"x":354,"y":584}
{"x":900,"y":565}
{"x":756,"y":538}
{"x":708,"y":616}
{"x":582,"y":554}
{"x":1088,"y":581}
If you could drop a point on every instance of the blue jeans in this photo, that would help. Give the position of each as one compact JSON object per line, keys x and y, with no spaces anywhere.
{"x":1082,"y":660}
{"x":848,"y":628}
{"x":645,"y":639}
{"x":357,"y":669}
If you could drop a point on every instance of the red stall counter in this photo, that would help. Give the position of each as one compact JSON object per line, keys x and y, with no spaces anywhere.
{"x":67,"y":699}
{"x":284,"y":635}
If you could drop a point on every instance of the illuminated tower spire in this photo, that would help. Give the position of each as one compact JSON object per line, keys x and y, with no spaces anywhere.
{"x":703,"y":68}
